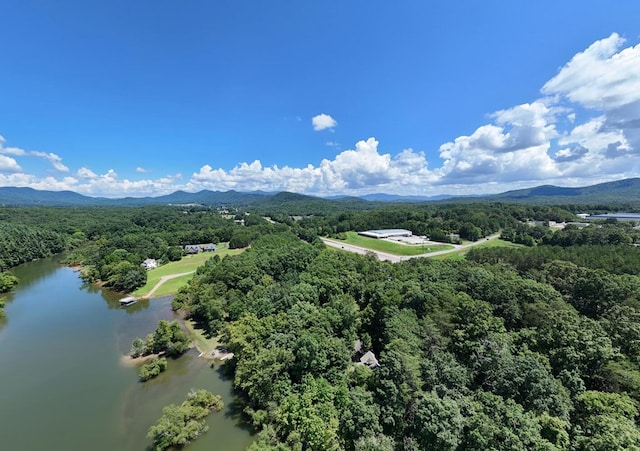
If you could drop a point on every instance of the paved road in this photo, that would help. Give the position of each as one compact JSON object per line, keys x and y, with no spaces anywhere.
{"x":361,"y":250}
{"x":398,"y":258}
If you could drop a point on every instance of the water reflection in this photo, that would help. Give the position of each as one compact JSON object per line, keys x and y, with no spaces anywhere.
{"x":141,"y":304}
{"x":35,"y":271}
{"x":65,"y":378}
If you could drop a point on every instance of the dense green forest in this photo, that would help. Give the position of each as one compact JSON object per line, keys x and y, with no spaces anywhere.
{"x":532,"y":347}
{"x":471,"y":355}
{"x":21,"y":243}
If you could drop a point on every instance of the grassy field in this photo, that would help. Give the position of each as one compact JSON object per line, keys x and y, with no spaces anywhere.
{"x":188,"y":263}
{"x":393,"y":248}
{"x":459,"y":255}
{"x":201,"y":342}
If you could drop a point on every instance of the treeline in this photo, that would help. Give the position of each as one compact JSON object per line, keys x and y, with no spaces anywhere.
{"x":436,"y":221}
{"x":597,"y":232}
{"x":614,"y":259}
{"x":471,"y":355}
{"x":21,"y":243}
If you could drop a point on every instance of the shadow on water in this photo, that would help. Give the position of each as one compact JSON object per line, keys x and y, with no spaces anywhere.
{"x":235,"y":409}
{"x":112,"y":298}
{"x":94,"y":390}
{"x":7,"y":298}
{"x":32,"y":272}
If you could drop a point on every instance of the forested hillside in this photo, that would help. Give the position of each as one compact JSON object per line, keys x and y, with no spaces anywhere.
{"x":472,"y":356}
{"x":20,"y":243}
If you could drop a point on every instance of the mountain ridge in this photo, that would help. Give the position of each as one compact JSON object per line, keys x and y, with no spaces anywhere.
{"x":624,"y":190}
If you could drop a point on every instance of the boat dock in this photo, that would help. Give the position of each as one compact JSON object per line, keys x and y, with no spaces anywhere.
{"x":128,"y":301}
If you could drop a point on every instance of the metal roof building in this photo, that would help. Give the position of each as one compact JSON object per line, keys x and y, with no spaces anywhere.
{"x":618,"y":216}
{"x":386,"y":233}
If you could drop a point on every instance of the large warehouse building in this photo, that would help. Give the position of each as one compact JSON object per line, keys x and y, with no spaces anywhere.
{"x":386,"y":233}
{"x":618,"y":216}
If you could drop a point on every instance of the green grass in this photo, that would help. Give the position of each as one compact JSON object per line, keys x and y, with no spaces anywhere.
{"x":188,"y":263}
{"x":393,"y":248}
{"x":201,"y":342}
{"x":460,"y":255}
{"x":172,"y":286}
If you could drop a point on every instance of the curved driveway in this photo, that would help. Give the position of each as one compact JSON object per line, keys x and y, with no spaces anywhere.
{"x":162,"y":280}
{"x":398,"y":258}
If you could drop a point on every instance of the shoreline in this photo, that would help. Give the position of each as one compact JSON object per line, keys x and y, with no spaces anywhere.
{"x":127,"y":360}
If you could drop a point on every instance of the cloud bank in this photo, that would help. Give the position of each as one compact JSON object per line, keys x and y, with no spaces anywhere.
{"x":583,"y":129}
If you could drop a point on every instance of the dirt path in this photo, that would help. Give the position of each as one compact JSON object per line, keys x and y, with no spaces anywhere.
{"x":162,"y":280}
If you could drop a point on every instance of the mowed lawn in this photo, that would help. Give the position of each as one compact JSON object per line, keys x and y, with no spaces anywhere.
{"x":188,"y":264}
{"x":393,"y":248}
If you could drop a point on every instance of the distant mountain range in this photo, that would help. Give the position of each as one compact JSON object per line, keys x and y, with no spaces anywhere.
{"x":620,"y":191}
{"x":381,"y":197}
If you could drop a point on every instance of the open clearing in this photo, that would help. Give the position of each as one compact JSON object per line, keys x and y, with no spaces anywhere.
{"x":202,"y":343}
{"x":450,"y":251}
{"x":186,"y":267}
{"x":393,"y":248}
{"x":459,"y":254}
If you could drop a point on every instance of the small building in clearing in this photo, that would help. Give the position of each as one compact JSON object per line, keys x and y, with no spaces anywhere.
{"x":369,"y":359}
{"x":386,"y":233}
{"x":210,"y":247}
{"x":150,"y":263}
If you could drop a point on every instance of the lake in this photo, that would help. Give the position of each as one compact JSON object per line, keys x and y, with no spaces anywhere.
{"x":64,"y":384}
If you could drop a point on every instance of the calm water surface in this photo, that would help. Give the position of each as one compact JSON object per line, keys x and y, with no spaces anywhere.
{"x":64,"y":384}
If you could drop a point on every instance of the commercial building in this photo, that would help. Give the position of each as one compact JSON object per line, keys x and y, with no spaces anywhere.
{"x":618,"y":216}
{"x":386,"y":233}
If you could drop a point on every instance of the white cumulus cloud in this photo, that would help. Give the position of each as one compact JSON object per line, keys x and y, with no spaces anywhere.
{"x":602,"y":77}
{"x":350,"y":172}
{"x":86,"y":173}
{"x":323,"y":122}
{"x":55,"y":160}
{"x":52,"y":158}
{"x":585,"y":128}
{"x":8,"y":164}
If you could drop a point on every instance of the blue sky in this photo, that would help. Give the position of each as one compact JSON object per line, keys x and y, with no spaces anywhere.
{"x":336,"y":97}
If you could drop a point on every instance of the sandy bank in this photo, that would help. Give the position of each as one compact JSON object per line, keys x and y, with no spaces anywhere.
{"x":127,"y":360}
